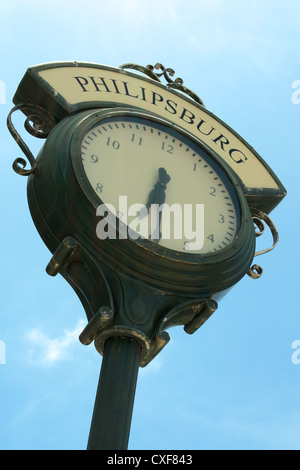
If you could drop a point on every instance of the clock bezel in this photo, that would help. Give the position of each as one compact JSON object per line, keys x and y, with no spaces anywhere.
{"x":187,"y":257}
{"x":163,"y":126}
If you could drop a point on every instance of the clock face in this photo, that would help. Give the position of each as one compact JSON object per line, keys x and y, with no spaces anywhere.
{"x":160,"y":184}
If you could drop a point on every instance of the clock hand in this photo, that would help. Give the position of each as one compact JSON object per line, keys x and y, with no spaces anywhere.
{"x":157,"y":196}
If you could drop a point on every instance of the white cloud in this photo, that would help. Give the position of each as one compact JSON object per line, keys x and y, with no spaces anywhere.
{"x":44,"y":350}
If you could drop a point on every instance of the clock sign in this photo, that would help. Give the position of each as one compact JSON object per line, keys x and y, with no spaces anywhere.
{"x":144,"y":182}
{"x":149,"y":203}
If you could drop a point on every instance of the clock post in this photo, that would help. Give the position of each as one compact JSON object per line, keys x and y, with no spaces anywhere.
{"x":114,"y":135}
{"x":111,"y":420}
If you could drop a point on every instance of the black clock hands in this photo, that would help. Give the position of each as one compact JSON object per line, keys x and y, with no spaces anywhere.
{"x":157,"y":196}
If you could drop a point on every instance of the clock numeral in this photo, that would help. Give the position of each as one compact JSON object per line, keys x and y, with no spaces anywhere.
{"x":137,"y":140}
{"x":99,"y":187}
{"x":114,"y":144}
{"x":94,"y":158}
{"x":211,"y":237}
{"x":221,"y":219}
{"x":168,"y":148}
{"x":212,"y":191}
{"x":195,"y":164}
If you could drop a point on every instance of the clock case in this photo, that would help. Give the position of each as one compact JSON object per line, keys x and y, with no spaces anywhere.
{"x":132,"y":288}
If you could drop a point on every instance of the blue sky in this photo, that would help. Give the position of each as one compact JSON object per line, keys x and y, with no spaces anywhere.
{"x":233,"y":384}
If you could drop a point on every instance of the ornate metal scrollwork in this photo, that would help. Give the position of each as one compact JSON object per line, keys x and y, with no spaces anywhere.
{"x":167,"y":73}
{"x":259,"y":217}
{"x":38,"y":123}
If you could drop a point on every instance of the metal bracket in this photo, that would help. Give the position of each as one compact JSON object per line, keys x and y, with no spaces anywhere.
{"x":39,"y":123}
{"x":259,"y":217}
{"x":84,"y":274}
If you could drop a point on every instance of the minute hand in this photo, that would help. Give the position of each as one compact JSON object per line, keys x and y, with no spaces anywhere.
{"x":157,"y":196}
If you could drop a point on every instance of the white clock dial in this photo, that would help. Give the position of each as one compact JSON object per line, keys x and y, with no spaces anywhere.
{"x":186,"y":201}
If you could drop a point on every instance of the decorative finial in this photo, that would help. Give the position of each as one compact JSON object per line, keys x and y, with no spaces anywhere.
{"x":167,"y":73}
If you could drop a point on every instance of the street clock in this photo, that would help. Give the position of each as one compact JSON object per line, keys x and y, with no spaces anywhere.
{"x":149,"y":203}
{"x":103,"y":157}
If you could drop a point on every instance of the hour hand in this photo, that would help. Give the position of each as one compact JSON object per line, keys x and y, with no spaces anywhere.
{"x":157,"y":195}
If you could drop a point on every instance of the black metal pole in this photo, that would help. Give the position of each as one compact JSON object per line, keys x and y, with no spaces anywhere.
{"x":112,"y":414}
